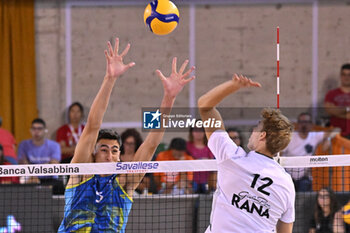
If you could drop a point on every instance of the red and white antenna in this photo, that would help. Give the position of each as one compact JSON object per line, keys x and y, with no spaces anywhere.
{"x":278,"y":77}
{"x":278,"y":67}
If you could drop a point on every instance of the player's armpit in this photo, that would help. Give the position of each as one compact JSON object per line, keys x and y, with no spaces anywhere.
{"x":283,"y":227}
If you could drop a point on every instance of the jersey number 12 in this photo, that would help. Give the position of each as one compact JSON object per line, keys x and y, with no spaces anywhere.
{"x":261,"y":188}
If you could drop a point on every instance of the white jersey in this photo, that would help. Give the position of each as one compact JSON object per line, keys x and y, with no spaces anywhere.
{"x":302,"y":147}
{"x":253,"y":190}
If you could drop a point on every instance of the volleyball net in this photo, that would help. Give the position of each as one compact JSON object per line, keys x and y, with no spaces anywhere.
{"x":168,"y":198}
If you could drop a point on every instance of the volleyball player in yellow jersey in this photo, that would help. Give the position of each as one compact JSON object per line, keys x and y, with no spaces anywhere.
{"x":101,"y":203}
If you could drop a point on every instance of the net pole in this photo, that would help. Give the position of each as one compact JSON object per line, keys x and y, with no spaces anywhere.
{"x":278,"y":75}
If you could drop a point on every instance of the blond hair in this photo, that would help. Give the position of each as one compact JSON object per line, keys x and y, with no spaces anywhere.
{"x":278,"y":130}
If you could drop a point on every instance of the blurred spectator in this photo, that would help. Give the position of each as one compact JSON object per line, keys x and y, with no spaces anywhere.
{"x":235,"y":135}
{"x":327,"y":217}
{"x":40,"y":150}
{"x":3,"y":161}
{"x":198,"y":149}
{"x":174,"y":182}
{"x":131,"y":141}
{"x":337,"y":103}
{"x":9,"y":145}
{"x":68,"y":135}
{"x":304,"y":143}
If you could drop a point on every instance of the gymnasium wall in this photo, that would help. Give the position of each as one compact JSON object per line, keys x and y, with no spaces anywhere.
{"x":227,"y":39}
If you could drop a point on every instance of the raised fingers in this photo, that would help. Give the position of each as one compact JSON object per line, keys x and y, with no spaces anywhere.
{"x":174,"y":65}
{"x":128,"y":66}
{"x":116,"y":45}
{"x":126,"y":50}
{"x":110,"y":50}
{"x":243,"y":78}
{"x":189,"y":79}
{"x":107,"y":56}
{"x":131,"y":64}
{"x":160,"y":75}
{"x":255,"y":84}
{"x":245,"y":81}
{"x":188,"y":72}
{"x":183,"y":66}
{"x":235,"y":77}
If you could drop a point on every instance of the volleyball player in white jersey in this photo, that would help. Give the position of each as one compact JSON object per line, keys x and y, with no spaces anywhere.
{"x":254,"y":193}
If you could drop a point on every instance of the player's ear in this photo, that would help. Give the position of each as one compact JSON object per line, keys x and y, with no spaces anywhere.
{"x":262,"y":135}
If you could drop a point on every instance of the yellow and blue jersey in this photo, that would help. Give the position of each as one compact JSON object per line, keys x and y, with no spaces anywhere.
{"x":98,"y":204}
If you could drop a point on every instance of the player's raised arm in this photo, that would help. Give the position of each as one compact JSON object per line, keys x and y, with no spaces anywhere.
{"x":115,"y":67}
{"x":172,"y":86}
{"x":207,"y":103}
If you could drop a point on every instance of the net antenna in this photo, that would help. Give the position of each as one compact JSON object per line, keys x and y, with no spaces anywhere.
{"x":278,"y":77}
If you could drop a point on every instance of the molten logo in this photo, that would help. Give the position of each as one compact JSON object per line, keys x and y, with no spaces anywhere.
{"x":318,"y":159}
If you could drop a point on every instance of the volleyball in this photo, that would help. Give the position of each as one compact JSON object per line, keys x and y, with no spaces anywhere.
{"x":161,"y":16}
{"x":346,"y":213}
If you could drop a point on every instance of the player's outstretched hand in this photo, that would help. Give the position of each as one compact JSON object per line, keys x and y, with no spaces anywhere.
{"x":177,"y":80}
{"x":115,"y":65}
{"x":243,"y":81}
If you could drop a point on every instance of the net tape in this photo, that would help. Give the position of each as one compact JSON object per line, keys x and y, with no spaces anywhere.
{"x":158,"y":166}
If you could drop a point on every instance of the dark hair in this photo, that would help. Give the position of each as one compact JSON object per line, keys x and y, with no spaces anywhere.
{"x":234,"y":129}
{"x":190,"y":136}
{"x":178,"y":144}
{"x":131,"y":133}
{"x":39,"y":121}
{"x":0,"y":121}
{"x":80,"y":106}
{"x":1,"y":148}
{"x":108,"y":134}
{"x":345,"y":66}
{"x":333,"y":205}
